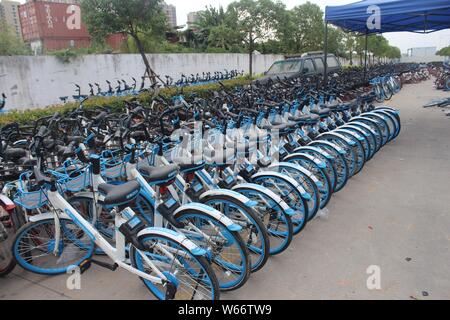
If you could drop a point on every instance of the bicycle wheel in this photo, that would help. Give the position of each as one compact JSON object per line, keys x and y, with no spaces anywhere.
{"x":360,"y":147}
{"x":386,"y":91}
{"x":253,"y":232}
{"x":394,"y":117}
{"x":379,"y":95}
{"x":394,"y":113}
{"x":191,"y":275}
{"x":291,"y":192}
{"x":382,"y":124}
{"x":35,"y":248}
{"x":374,"y":127}
{"x":8,"y":227}
{"x":339,"y":163}
{"x":317,"y":168}
{"x":371,"y":134}
{"x":348,"y":146}
{"x":312,"y":197}
{"x":274,"y":213}
{"x":226,"y":250}
{"x":323,"y":157}
{"x":391,"y":122}
{"x":7,"y":262}
{"x":369,"y":141}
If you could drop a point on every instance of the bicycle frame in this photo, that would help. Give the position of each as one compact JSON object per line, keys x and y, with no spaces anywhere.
{"x":155,"y":200}
{"x":63,"y":210}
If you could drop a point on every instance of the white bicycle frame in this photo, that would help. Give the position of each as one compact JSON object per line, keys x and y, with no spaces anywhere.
{"x":63,"y":209}
{"x":134,"y":174}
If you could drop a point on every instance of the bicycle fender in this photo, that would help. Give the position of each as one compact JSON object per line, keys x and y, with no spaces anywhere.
{"x":335,"y":134}
{"x":302,"y":170}
{"x":176,"y":237}
{"x":211,"y":212}
{"x":283,"y":177}
{"x":310,"y":148}
{"x":48,"y":215}
{"x":7,"y":202}
{"x":269,"y":193}
{"x":319,"y":163}
{"x":229,"y":193}
{"x":331,"y":145}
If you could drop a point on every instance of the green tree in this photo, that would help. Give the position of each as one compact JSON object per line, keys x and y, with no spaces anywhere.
{"x":256,"y":22}
{"x":393,"y":53}
{"x":336,"y":43}
{"x":445,"y":52}
{"x":350,"y":41}
{"x":210,"y":20}
{"x":137,"y":18}
{"x":211,"y":17}
{"x":378,"y":45}
{"x":223,"y":36}
{"x":304,"y":29}
{"x":10,"y":44}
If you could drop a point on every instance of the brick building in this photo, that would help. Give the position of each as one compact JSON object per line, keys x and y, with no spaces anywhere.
{"x":55,"y":25}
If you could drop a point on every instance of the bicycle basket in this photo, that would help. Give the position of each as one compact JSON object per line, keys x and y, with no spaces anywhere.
{"x":27,"y":199}
{"x":113,"y":166}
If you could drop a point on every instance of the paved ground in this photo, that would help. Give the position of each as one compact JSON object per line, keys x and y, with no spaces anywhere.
{"x":395,"y":214}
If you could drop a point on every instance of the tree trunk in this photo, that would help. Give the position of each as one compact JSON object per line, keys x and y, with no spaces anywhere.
{"x":351,"y":57}
{"x":149,"y":71}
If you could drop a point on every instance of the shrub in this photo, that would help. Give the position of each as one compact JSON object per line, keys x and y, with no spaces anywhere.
{"x":115,"y":103}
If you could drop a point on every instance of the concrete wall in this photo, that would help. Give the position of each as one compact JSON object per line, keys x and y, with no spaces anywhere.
{"x":420,"y":59}
{"x":31,"y":82}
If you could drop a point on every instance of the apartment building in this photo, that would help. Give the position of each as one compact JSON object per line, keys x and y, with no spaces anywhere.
{"x":171,"y":14}
{"x":9,"y":16}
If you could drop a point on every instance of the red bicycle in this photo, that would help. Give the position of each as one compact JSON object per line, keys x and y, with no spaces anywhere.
{"x":11,"y":219}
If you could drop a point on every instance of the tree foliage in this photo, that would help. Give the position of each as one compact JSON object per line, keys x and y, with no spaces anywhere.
{"x":137,"y":18}
{"x":445,"y":52}
{"x":303,"y":28}
{"x":255,"y":21}
{"x":10,"y":44}
{"x":268,"y":27}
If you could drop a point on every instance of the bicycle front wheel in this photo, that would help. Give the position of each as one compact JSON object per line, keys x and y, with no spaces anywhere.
{"x":37,"y":249}
{"x":8,"y":227}
{"x":225,"y":248}
{"x":191,"y":275}
{"x":253,"y":232}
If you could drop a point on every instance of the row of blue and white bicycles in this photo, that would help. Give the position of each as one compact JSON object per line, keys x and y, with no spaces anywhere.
{"x":191,"y":195}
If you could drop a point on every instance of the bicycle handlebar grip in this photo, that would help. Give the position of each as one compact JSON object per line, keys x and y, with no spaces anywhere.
{"x":41,"y":132}
{"x":96,"y":164}
{"x":81,"y":155}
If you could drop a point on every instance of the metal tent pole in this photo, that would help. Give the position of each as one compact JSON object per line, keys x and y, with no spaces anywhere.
{"x":365,"y":58}
{"x":325,"y":72}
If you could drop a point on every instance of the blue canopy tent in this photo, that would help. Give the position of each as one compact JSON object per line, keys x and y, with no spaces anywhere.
{"x":380,"y":16}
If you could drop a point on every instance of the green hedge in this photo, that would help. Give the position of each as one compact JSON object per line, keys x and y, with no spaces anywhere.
{"x":116,"y":103}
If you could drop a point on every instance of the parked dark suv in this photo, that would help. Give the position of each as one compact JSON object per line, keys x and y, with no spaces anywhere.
{"x":307,"y":64}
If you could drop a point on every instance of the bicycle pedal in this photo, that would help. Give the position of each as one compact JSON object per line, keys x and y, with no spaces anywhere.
{"x":171,"y":291}
{"x":112,"y":267}
{"x":84,"y":266}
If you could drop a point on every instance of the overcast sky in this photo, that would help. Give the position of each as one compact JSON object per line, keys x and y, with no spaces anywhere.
{"x":403,"y":40}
